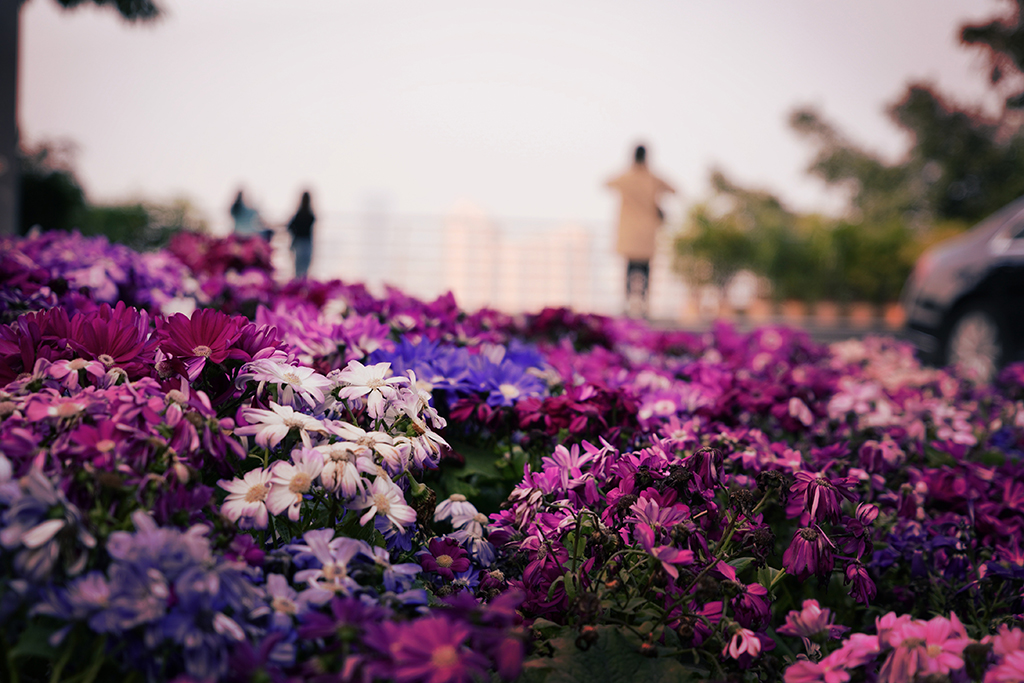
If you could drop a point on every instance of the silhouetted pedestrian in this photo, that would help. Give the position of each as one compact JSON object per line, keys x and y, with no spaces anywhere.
{"x":247,"y":219}
{"x":640,"y":216}
{"x":301,"y":228}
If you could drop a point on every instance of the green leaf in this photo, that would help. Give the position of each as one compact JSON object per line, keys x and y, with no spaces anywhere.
{"x":479,"y":460}
{"x":34,"y":642}
{"x":769,"y":576}
{"x":992,"y":458}
{"x":740,"y":563}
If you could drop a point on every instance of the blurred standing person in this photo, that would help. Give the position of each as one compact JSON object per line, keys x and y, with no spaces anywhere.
{"x":640,"y":216}
{"x":301,"y":228}
{"x":247,"y":219}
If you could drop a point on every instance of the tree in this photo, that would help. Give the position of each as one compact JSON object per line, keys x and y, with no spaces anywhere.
{"x":1002,"y":41}
{"x":960,"y":165}
{"x":130,"y":10}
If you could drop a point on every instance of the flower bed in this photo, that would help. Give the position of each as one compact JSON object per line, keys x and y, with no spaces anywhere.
{"x":311,"y":483}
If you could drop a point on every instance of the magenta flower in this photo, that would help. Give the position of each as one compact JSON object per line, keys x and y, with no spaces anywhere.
{"x":751,"y":605}
{"x":444,"y":557}
{"x":115,"y":337}
{"x":810,"y":552}
{"x":821,"y":496}
{"x":666,"y":554}
{"x":434,"y":650}
{"x":207,"y":335}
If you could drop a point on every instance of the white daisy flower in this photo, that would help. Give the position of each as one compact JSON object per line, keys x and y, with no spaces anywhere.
{"x":247,"y":498}
{"x":378,"y":446}
{"x":372,"y":383}
{"x":384,"y":498}
{"x":452,"y":506}
{"x":343,"y":469}
{"x":271,"y":426}
{"x":291,"y":380}
{"x":292,"y":481}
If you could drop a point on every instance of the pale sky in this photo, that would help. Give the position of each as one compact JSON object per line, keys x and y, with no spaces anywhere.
{"x":524,"y":108}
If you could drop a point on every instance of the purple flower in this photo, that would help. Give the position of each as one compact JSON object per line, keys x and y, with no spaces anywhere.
{"x":810,"y":552}
{"x":444,"y":557}
{"x":820,"y":496}
{"x":862,"y":588}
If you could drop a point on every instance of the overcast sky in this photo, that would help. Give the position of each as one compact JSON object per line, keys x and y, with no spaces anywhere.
{"x":524,"y":108}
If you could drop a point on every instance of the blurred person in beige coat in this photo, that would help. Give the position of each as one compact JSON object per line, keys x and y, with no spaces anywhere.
{"x":640,"y":216}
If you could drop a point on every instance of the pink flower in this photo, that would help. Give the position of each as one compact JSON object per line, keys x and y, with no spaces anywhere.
{"x":744,"y":641}
{"x":934,"y":646}
{"x":810,"y":621}
{"x":1010,"y":670}
{"x":831,"y":669}
{"x":1005,"y":641}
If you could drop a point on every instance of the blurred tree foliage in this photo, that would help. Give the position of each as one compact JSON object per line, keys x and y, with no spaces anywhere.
{"x":53,"y":199}
{"x":960,"y":166}
{"x":131,"y":10}
{"x":1001,"y":40}
{"x":805,"y":256}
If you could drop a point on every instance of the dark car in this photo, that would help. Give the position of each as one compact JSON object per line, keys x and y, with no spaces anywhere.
{"x":964,"y":302}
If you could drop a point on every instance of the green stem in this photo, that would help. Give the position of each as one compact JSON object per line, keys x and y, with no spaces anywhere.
{"x":58,"y":668}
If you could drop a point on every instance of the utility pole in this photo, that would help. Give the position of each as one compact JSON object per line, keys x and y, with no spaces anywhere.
{"x":10,"y":193}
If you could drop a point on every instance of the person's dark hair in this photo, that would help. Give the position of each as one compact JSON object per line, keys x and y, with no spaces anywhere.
{"x":236,"y":208}
{"x":640,"y":155}
{"x":305,"y":203}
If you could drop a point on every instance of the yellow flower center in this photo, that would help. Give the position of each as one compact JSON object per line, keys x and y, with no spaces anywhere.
{"x":300,"y":483}
{"x":291,"y":378}
{"x":257,"y":493}
{"x":176,"y":396}
{"x":445,"y":561}
{"x":202,"y":350}
{"x":382,"y":503}
{"x":334,"y":571}
{"x":65,"y":410}
{"x":444,"y":656}
{"x":509,"y":391}
{"x":78,"y":364}
{"x":105,"y":445}
{"x":106,"y":359}
{"x":934,"y":650}
{"x":284,"y":606}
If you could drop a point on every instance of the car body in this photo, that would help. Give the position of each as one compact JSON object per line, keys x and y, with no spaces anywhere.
{"x":964,"y":301}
